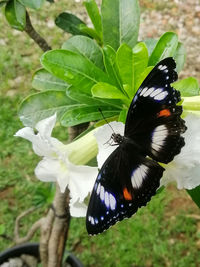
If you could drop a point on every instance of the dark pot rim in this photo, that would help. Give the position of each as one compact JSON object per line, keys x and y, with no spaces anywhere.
{"x":33,"y":250}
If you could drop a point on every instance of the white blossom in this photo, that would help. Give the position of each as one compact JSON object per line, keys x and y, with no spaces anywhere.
{"x":56,"y":165}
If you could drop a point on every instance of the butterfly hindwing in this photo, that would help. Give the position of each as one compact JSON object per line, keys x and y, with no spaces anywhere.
{"x":125,"y":183}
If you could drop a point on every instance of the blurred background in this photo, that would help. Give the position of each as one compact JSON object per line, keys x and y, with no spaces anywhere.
{"x":167,"y":231}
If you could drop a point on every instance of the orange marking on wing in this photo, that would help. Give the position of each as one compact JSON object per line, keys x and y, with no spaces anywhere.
{"x":164,"y":113}
{"x":126,"y":194}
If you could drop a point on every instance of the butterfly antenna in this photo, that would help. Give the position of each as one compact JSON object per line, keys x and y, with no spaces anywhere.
{"x":106,"y":120}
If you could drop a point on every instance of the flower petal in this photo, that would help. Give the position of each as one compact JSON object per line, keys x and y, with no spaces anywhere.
{"x":51,"y":170}
{"x":103,"y":137}
{"x":78,"y":209}
{"x":46,"y":126}
{"x":185,"y":168}
{"x":81,"y":181}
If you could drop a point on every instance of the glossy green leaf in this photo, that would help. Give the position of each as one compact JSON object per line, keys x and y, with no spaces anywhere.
{"x":140,"y":59}
{"x":195,"y":195}
{"x":120,"y":22}
{"x":85,"y":113}
{"x":43,"y":80}
{"x":180,"y":56}
{"x":187,"y":87}
{"x":86,"y":47}
{"x":142,"y":76}
{"x":165,"y":47}
{"x":93,"y":12}
{"x":77,"y":95}
{"x":15,"y":14}
{"x":123,"y":115}
{"x":111,"y":66}
{"x":90,"y":32}
{"x":150,"y":44}
{"x":74,"y":69}
{"x":34,"y":4}
{"x":42,"y":105}
{"x":125,"y":64}
{"x":105,"y":90}
{"x":69,"y":23}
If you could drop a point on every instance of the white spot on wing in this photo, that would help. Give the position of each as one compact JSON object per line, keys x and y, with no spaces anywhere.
{"x":102,"y":193}
{"x":138,"y":176}
{"x":158,"y":137}
{"x":144,"y":90}
{"x":98,"y":189}
{"x":157,"y":91}
{"x":149,"y":91}
{"x":112,"y":202}
{"x":161,"y":96}
{"x":107,"y":199}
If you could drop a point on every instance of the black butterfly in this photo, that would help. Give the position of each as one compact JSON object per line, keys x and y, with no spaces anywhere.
{"x":131,"y":174}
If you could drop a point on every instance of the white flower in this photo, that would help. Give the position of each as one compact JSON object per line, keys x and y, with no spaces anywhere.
{"x":184,"y":169}
{"x":56,"y":165}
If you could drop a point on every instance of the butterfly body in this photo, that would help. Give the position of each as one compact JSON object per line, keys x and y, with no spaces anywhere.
{"x":131,"y":174}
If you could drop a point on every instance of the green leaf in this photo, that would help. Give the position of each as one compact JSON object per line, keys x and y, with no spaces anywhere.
{"x":93,"y":12}
{"x":140,"y":59}
{"x":34,"y":4}
{"x":111,"y":66}
{"x":15,"y":14}
{"x":165,"y":47}
{"x":123,"y":115}
{"x":90,"y":32}
{"x":84,"y":113}
{"x":120,"y":22}
{"x":180,"y":56}
{"x":86,"y":47}
{"x":69,"y":23}
{"x":125,"y":64}
{"x":150,"y":44}
{"x":105,"y":90}
{"x":43,"y":80}
{"x":187,"y":87}
{"x":195,"y":195}
{"x":42,"y":105}
{"x":73,"y":68}
{"x":78,"y":96}
{"x":142,"y":76}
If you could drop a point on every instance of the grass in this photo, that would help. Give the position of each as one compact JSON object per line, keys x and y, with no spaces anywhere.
{"x":160,"y":234}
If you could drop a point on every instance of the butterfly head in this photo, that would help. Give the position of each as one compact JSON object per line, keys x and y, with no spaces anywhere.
{"x":117,"y":138}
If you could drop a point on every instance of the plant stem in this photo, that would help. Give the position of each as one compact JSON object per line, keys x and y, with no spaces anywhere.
{"x":35,"y":36}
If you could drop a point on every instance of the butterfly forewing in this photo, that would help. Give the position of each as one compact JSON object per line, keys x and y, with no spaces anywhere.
{"x":131,"y":174}
{"x":153,"y":119}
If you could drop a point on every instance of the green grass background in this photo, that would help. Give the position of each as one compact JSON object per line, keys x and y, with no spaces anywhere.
{"x":161,"y":234}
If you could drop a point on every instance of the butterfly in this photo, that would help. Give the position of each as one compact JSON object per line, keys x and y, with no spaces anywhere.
{"x":131,"y":175}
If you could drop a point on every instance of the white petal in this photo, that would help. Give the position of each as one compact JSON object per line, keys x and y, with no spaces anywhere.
{"x":185,"y":168}
{"x":104,"y":141}
{"x":46,"y":126}
{"x":81,"y":181}
{"x":78,"y":209}
{"x":53,"y":170}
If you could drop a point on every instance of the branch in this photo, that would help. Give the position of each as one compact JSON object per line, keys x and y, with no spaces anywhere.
{"x":35,"y":36}
{"x":31,"y":232}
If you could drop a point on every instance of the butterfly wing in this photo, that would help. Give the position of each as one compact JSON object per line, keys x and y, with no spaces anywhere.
{"x":126,"y":182}
{"x":153,"y":119}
